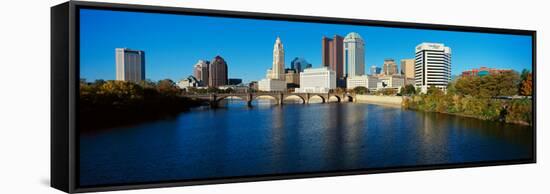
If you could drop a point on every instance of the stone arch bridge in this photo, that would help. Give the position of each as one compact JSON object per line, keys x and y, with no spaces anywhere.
{"x":279,"y":97}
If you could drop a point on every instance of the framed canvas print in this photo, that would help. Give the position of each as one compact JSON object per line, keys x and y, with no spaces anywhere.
{"x":146,"y":96}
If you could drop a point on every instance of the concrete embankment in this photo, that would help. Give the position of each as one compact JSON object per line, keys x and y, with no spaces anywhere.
{"x":381,"y":100}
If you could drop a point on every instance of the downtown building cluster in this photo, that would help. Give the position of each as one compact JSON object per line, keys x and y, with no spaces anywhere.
{"x":343,"y":66}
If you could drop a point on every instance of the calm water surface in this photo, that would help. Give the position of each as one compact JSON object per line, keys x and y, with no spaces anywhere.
{"x":239,"y":141}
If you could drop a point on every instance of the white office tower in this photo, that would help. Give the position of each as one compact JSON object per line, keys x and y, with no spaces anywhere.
{"x":275,"y":77}
{"x":432,"y":66}
{"x":354,"y":55}
{"x":362,"y":81}
{"x":317,"y":80}
{"x":130,"y":65}
{"x":278,"y":69}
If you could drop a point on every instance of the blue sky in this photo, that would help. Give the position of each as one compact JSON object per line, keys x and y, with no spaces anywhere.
{"x":174,"y":43}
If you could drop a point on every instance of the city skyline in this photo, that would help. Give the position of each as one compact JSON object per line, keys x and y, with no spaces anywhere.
{"x":246,"y":45}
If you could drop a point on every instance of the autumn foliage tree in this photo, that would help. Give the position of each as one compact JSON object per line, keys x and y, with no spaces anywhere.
{"x":503,"y":84}
{"x":527,"y":86}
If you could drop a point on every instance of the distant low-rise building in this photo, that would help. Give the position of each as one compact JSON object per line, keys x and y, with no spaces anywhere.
{"x":292,"y":78}
{"x":482,"y":71}
{"x":234,"y":81}
{"x":389,"y":67}
{"x":299,"y":64}
{"x":317,"y":80}
{"x":253,"y":85}
{"x":407,"y":68}
{"x":236,"y":88}
{"x":188,"y":82}
{"x":391,"y":81}
{"x":409,"y":81}
{"x":374,"y":70}
{"x":270,"y":85}
{"x":366,"y":81}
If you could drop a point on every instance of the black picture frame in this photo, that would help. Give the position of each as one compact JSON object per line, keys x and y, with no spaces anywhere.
{"x":65,"y":79}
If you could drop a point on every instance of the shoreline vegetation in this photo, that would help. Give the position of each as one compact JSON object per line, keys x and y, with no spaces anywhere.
{"x":108,"y":104}
{"x":504,"y":97}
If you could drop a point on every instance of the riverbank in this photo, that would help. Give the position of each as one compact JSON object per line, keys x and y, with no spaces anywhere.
{"x":395,"y":101}
{"x":515,"y":111}
{"x":95,"y":116}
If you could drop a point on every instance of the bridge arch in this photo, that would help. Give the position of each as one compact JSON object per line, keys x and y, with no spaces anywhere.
{"x":295,"y":95}
{"x":323,"y":100}
{"x":338,"y":99}
{"x":270,"y":96}
{"x":348,"y":98}
{"x":243,"y":98}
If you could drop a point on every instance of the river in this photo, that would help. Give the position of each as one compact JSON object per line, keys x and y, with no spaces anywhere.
{"x":237,"y":140}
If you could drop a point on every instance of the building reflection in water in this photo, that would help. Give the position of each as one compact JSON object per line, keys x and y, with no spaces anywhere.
{"x":237,"y":140}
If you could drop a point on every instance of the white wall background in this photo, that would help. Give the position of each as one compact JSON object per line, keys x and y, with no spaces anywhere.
{"x":25,"y":97}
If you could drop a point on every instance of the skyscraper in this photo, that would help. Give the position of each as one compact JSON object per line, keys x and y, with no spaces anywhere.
{"x":389,"y":67}
{"x":407,"y":68}
{"x":201,"y":71}
{"x":130,"y":65}
{"x":217,"y":75}
{"x":299,"y":64}
{"x":333,"y":54}
{"x":278,"y":68}
{"x":275,"y":77}
{"x":354,"y":55}
{"x":432,"y":66}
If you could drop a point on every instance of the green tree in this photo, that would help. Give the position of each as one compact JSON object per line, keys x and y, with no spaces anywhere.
{"x":409,"y":89}
{"x":167,"y":87}
{"x":360,"y":90}
{"x":467,"y":85}
{"x":432,"y":90}
{"x":451,"y":89}
{"x":212,"y":90}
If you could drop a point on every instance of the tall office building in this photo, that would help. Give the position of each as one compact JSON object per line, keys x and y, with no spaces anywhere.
{"x":332,"y":52}
{"x":432,"y":66}
{"x":201,"y":71}
{"x":354,"y":55}
{"x":407,"y":68}
{"x":275,"y":77}
{"x":130,"y":65}
{"x":375,"y":70}
{"x":278,"y":68}
{"x":217,"y":75}
{"x":389,"y":67}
